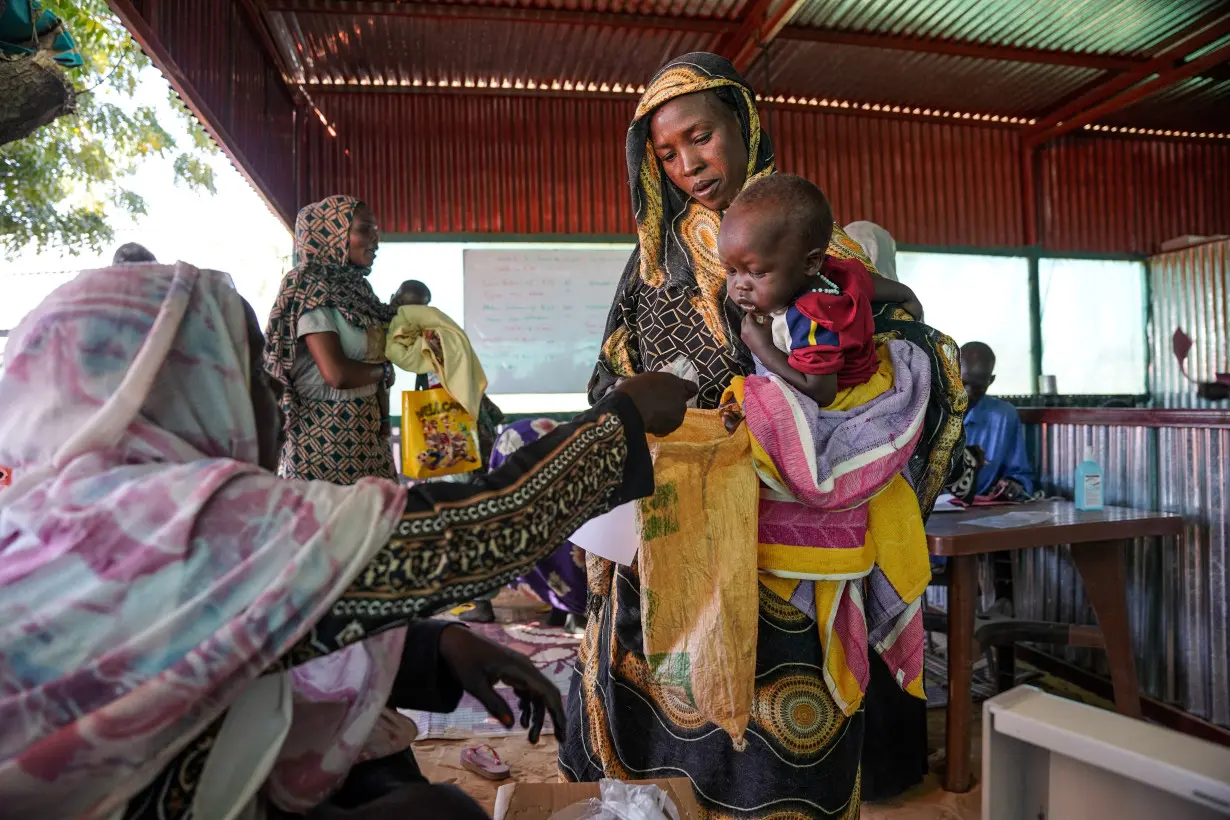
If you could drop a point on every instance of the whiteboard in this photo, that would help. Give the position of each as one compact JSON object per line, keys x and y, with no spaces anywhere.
{"x":536,"y":317}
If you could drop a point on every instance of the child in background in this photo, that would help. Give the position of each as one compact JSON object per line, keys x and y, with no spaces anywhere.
{"x":807,"y":316}
{"x":414,"y":292}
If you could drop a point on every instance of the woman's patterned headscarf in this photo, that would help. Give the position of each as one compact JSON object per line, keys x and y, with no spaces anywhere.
{"x":678,"y":235}
{"x":323,"y":276}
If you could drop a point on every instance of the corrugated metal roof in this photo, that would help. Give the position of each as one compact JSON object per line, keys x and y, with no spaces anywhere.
{"x":601,"y":43}
{"x":396,"y":51}
{"x":1196,"y":104}
{"x":864,"y":74}
{"x":1090,"y":26}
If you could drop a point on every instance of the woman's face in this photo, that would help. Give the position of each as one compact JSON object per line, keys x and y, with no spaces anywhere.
{"x":700,"y":145}
{"x":266,"y":398}
{"x":364,"y":237}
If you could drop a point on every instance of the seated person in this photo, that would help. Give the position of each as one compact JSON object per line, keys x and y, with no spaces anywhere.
{"x":807,"y":316}
{"x":993,"y":427}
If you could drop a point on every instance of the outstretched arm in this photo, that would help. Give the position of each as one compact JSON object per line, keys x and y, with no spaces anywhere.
{"x":455,"y":542}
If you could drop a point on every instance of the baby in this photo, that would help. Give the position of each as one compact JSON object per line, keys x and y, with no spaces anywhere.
{"x":807,"y":315}
{"x":411,"y":292}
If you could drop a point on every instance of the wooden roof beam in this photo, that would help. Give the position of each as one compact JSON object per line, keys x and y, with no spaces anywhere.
{"x":500,"y":14}
{"x":1119,"y":102}
{"x":957,"y":48}
{"x":1168,"y":62}
{"x":759,"y":27}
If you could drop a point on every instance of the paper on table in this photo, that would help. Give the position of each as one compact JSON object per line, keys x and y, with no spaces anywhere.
{"x":944,"y":504}
{"x":1008,"y":521}
{"x":611,"y":535}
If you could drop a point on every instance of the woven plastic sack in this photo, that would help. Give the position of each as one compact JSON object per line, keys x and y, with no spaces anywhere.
{"x":438,"y":437}
{"x":697,"y":561}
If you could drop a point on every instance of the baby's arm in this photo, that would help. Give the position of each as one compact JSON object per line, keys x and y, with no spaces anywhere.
{"x":886,"y":290}
{"x":759,"y":339}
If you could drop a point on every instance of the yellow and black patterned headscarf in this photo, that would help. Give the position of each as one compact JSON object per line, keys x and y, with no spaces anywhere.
{"x":661,"y":209}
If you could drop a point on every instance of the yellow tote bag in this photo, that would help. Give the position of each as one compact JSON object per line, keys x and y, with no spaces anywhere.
{"x":438,"y":437}
{"x":697,"y":559}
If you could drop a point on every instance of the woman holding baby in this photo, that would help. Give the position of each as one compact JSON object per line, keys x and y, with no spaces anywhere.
{"x":695,"y":143}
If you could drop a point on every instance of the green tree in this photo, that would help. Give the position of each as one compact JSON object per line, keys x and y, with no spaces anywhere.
{"x":63,"y":185}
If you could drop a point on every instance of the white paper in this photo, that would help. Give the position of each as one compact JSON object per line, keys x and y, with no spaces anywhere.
{"x":944,"y":504}
{"x":1011,"y":520}
{"x":611,"y":536}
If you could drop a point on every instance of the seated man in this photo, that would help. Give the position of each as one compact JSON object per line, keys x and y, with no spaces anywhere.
{"x":993,"y":426}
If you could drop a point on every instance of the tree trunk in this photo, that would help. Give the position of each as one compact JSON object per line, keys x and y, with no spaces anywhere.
{"x":33,"y":92}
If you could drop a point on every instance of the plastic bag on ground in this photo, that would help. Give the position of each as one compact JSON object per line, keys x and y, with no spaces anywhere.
{"x":623,"y":801}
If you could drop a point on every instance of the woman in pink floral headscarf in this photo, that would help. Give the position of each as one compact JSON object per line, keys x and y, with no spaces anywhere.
{"x":185,"y":635}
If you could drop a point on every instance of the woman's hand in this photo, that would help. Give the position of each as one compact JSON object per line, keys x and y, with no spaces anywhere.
{"x":661,"y":398}
{"x":478,"y":664}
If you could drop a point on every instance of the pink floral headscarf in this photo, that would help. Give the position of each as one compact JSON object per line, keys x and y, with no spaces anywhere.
{"x":150,"y":571}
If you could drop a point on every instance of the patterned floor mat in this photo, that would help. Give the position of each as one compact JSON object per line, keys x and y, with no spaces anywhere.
{"x":552,"y":650}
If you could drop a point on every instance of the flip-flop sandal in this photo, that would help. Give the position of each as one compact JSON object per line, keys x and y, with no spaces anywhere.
{"x":483,"y":761}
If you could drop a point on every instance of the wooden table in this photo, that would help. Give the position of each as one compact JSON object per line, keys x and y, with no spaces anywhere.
{"x":1097,"y":540}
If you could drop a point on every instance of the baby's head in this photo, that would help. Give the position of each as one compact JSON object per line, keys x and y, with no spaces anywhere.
{"x":773,"y":238}
{"x":411,"y":292}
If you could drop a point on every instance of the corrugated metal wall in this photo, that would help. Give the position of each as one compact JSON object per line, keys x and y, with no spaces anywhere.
{"x":1189,"y":289}
{"x":928,"y":184}
{"x":215,"y":50}
{"x":455,"y":163}
{"x":1131,"y":195}
{"x":1178,"y":597}
{"x":471,"y":164}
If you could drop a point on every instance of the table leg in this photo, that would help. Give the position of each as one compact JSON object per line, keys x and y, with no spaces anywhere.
{"x":962,"y":593}
{"x":1100,"y":564}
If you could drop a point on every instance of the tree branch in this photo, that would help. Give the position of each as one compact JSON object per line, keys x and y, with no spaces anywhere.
{"x":33,"y":92}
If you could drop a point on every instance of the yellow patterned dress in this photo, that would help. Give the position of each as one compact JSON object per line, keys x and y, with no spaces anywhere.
{"x":804,"y":759}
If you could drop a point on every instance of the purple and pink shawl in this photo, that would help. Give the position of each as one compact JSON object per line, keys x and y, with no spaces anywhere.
{"x":151,"y":573}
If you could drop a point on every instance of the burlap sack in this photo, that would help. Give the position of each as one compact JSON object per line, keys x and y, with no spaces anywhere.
{"x":699,"y":607}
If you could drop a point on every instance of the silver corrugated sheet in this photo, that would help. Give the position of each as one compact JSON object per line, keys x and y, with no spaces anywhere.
{"x":1178,"y":595}
{"x":1190,"y":289}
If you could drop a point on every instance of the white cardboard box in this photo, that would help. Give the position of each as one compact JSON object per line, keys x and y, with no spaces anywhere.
{"x":1048,"y":758}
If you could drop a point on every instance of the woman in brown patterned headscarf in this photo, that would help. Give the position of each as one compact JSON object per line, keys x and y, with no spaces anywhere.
{"x":325,"y":347}
{"x":695,"y":142}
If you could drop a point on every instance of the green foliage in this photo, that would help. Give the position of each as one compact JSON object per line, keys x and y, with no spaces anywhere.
{"x":63,"y":185}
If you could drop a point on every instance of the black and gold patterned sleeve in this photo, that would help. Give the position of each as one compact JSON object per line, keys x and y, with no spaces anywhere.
{"x":619,"y":355}
{"x":458,"y":541}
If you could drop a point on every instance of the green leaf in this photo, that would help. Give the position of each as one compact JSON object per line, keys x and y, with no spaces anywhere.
{"x":63,"y":186}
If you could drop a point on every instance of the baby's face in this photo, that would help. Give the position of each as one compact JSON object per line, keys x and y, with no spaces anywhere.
{"x":764,"y":270}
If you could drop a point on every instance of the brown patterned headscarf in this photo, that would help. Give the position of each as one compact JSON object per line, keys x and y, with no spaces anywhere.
{"x":323,"y":276}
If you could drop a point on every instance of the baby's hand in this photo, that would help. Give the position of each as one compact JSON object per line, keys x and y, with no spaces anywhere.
{"x":757,"y":335}
{"x":913,"y":307}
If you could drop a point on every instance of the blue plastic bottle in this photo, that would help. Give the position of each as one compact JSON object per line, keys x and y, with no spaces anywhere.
{"x":1088,"y":484}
